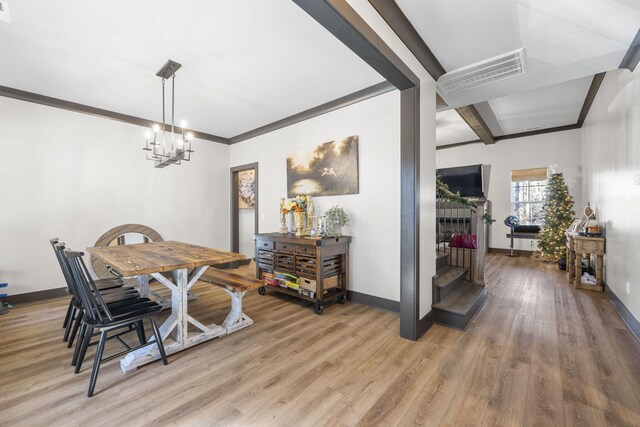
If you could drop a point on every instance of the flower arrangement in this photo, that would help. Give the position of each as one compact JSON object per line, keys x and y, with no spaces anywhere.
{"x":297,"y":204}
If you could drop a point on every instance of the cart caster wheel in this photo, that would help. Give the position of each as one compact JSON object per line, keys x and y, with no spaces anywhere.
{"x":318,"y":309}
{"x":341,"y":299}
{"x":261,"y":290}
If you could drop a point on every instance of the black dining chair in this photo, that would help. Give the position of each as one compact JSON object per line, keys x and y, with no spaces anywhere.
{"x":103,"y":284}
{"x":104,"y":317}
{"x":110,"y":295}
{"x":113,"y":288}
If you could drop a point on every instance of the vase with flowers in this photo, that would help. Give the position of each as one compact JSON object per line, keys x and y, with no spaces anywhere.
{"x":297,"y":205}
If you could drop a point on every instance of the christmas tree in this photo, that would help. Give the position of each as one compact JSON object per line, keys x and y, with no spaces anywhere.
{"x":557,"y":216}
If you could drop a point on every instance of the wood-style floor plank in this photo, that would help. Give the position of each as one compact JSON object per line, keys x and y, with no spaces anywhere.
{"x":539,"y":353}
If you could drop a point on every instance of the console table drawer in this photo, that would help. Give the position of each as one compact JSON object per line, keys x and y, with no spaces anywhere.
{"x":285,"y":247}
{"x":306,"y":250}
{"x":264,"y":244}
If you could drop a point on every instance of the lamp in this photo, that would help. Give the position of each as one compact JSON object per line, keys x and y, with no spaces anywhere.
{"x":159,"y":149}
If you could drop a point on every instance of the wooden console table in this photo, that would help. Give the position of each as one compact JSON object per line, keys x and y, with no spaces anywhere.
{"x":577,"y":248}
{"x":308,"y":258}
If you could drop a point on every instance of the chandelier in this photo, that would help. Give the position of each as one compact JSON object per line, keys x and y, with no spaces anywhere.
{"x":160,"y":148}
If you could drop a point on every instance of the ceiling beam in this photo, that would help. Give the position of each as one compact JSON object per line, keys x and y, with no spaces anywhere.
{"x":473,"y":118}
{"x":99,"y":112}
{"x":591,"y":96}
{"x":458,"y":144}
{"x":377,"y":54}
{"x":361,"y":95}
{"x":404,"y":29}
{"x":400,"y":24}
{"x":632,"y":57}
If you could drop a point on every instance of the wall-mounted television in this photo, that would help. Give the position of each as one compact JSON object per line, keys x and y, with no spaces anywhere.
{"x":467,"y":180}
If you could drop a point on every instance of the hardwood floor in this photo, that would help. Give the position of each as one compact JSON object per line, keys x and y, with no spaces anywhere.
{"x":538,"y":353}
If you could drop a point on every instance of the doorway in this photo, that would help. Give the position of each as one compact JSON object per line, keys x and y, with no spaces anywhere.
{"x":244,"y":210}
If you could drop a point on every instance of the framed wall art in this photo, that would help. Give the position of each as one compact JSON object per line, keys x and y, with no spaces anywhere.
{"x":329,"y":169}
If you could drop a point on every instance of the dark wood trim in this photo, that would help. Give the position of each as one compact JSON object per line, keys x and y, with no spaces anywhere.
{"x":512,"y":136}
{"x":339,"y":18}
{"x":425,"y":323}
{"x":409,"y":213}
{"x":373,"y":301}
{"x":519,"y":252}
{"x":235,"y":210}
{"x":353,"y":98}
{"x":475,"y":121}
{"x":591,"y":96}
{"x":99,"y":112}
{"x":458,"y":144}
{"x":632,"y":57}
{"x":627,"y":317}
{"x":400,"y":24}
{"x":538,"y":132}
{"x":36,"y":296}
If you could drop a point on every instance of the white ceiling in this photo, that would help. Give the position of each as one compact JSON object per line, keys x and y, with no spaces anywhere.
{"x":245,"y":63}
{"x":543,"y":108}
{"x":451,"y":128}
{"x":552,"y":106}
{"x":563,"y":39}
{"x":566,"y":42}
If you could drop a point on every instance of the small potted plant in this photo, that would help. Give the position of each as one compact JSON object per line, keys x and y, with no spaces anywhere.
{"x":335,"y":219}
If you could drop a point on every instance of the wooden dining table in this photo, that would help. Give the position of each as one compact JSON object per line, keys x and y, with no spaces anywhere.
{"x":186,"y":263}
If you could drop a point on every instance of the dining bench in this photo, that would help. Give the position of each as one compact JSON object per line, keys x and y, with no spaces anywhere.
{"x":235,"y":285}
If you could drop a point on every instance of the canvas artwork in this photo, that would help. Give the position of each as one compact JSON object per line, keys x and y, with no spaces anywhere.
{"x":247,"y":189}
{"x":329,"y":169}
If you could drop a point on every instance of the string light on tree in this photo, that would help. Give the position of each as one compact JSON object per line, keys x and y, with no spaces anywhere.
{"x":557,"y":216}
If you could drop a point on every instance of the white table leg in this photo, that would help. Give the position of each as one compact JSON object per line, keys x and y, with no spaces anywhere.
{"x":236,"y":319}
{"x":177,"y":325}
{"x":145,"y":292}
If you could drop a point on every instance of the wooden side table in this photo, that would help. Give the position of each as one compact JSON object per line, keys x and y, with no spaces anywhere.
{"x":586,"y":246}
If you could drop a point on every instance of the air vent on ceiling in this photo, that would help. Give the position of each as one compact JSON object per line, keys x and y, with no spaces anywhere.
{"x":5,"y":15}
{"x":481,"y":73}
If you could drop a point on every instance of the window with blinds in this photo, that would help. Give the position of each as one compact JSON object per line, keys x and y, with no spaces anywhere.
{"x":527,"y":194}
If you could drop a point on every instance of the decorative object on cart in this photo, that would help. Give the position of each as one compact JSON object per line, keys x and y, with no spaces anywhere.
{"x":160,"y":149}
{"x":283,"y":217}
{"x":329,"y":169}
{"x":314,"y":270}
{"x":336,"y":218}
{"x":443,"y":193}
{"x":309,"y":217}
{"x":247,"y":189}
{"x":511,"y":221}
{"x":557,"y":216}
{"x":298,"y":205}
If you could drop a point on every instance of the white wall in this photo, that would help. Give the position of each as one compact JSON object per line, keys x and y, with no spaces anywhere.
{"x":374,"y":212}
{"x":561,"y":148}
{"x":611,"y":159}
{"x":75,"y":176}
{"x":246,"y":232}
